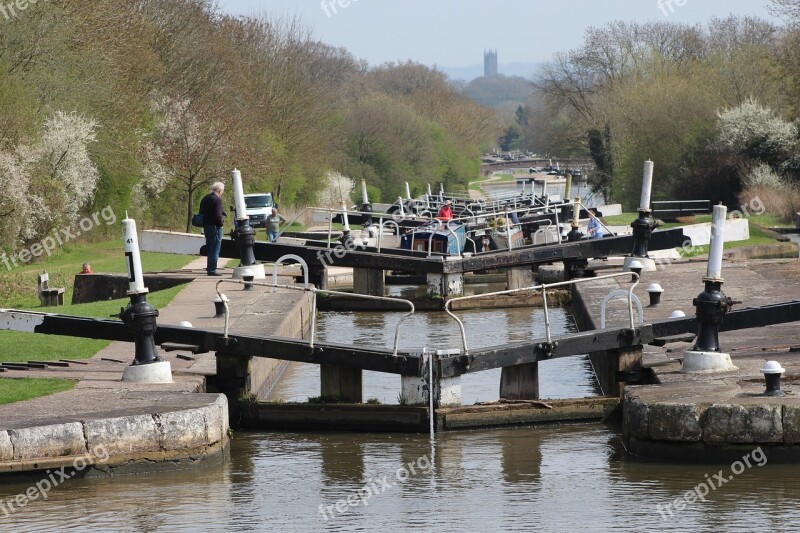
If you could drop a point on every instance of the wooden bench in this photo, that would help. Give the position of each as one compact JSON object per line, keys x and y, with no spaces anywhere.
{"x":49,"y":297}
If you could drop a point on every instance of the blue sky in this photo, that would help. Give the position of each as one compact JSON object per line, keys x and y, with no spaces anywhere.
{"x":454,"y":33}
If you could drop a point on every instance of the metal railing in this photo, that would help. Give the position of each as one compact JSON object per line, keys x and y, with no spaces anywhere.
{"x":314,"y":291}
{"x":543,"y":287}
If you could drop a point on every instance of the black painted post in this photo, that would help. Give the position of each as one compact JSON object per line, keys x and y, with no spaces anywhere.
{"x":140,"y":316}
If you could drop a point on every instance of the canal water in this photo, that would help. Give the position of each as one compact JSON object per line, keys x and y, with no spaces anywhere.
{"x":579,"y":188}
{"x":563,"y":478}
{"x":561,"y":378}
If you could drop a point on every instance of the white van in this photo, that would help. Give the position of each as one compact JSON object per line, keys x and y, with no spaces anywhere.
{"x":259,"y":207}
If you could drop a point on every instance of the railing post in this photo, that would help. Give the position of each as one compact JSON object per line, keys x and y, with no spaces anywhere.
{"x":711,"y":305}
{"x":644,"y":225}
{"x":244,"y":234}
{"x":140,"y":317}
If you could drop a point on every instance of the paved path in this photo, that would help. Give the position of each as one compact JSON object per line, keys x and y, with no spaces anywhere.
{"x":712,"y":417}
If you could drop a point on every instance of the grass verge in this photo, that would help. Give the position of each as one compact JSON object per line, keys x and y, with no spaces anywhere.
{"x":24,"y":347}
{"x":17,"y":390}
{"x":18,"y":287}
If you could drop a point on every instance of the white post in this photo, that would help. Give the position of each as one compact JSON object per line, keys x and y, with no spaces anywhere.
{"x":364,"y":196}
{"x":441,"y":189}
{"x":717,"y":240}
{"x":429,"y":190}
{"x":647,"y":186}
{"x":238,"y":195}
{"x":408,"y":191}
{"x":400,"y":203}
{"x":345,"y":220}
{"x":133,"y":256}
{"x":508,"y":230}
{"x":576,"y":212}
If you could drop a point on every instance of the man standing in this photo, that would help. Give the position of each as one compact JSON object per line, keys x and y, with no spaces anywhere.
{"x":213,"y":219}
{"x":274,"y":225}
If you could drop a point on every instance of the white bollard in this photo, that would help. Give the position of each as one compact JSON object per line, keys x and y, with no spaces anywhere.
{"x":238,"y":195}
{"x":717,"y":241}
{"x":408,"y":191}
{"x":150,"y":372}
{"x":364,"y":196}
{"x":576,"y":212}
{"x":647,"y":186}
{"x":345,"y":220}
{"x":133,"y":255}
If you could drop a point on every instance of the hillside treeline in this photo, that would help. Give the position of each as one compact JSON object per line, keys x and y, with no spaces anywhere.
{"x":141,"y":104}
{"x":715,"y":106}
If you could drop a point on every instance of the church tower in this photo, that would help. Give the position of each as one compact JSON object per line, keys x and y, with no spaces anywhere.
{"x":490,"y":64}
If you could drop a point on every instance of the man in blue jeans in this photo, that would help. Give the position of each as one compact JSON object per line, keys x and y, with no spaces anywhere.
{"x":274,"y":225}
{"x":213,"y":219}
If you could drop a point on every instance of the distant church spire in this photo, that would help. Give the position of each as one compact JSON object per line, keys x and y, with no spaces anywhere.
{"x":490,"y":64}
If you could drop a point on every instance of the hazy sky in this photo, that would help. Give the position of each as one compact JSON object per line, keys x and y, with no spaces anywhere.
{"x":453,"y":33}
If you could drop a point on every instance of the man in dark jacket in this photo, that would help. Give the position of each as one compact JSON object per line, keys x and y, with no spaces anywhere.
{"x":213,"y":219}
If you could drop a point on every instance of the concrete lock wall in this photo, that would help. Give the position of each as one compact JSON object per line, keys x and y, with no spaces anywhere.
{"x":240,"y":377}
{"x":264,"y":373}
{"x":737,"y":229}
{"x":135,"y":443}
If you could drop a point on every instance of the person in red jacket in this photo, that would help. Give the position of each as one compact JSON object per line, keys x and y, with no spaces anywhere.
{"x":446,"y":212}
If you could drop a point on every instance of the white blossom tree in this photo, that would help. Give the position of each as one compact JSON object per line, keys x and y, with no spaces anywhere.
{"x":64,"y":150}
{"x":756,"y":132}
{"x":337,"y":190}
{"x":49,"y":182}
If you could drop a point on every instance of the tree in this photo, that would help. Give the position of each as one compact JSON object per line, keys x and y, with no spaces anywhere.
{"x":188,"y":149}
{"x":508,"y":140}
{"x":600,"y":150}
{"x":50,"y":182}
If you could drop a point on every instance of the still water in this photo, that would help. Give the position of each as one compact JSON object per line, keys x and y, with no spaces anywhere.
{"x":561,"y":378}
{"x":565,"y":478}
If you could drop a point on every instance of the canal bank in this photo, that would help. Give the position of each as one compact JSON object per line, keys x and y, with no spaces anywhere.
{"x":709,"y":417}
{"x":107,"y":426}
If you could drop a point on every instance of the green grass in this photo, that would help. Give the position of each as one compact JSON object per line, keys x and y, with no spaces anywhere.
{"x":502,"y":177}
{"x":18,"y":290}
{"x":770,"y":220}
{"x":17,"y":390}
{"x":18,"y":287}
{"x":496,"y":178}
{"x":23,"y":347}
{"x":757,"y":235}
